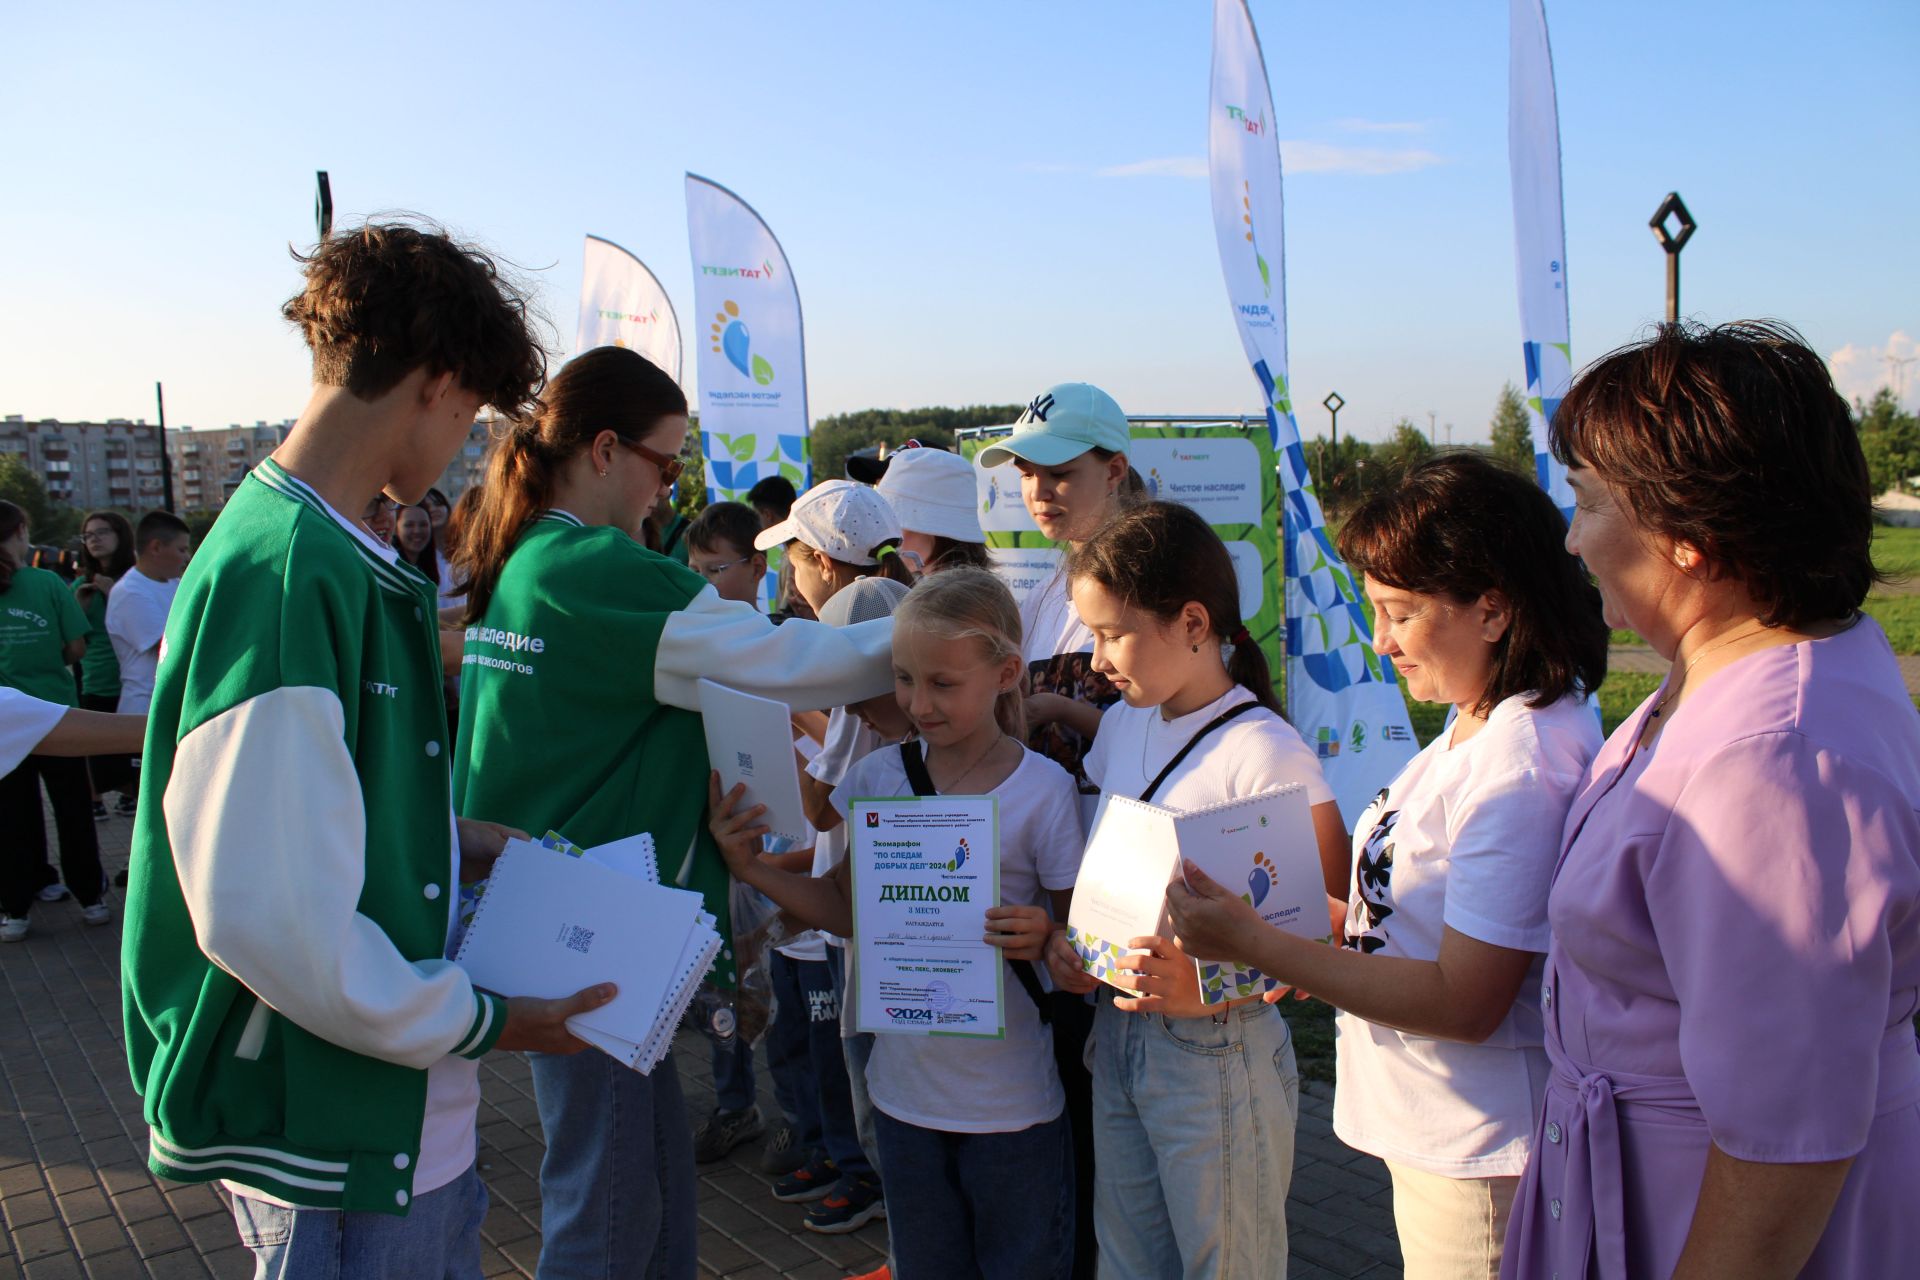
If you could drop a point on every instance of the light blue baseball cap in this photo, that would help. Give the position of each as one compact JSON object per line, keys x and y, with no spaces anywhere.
{"x":1062,"y":423}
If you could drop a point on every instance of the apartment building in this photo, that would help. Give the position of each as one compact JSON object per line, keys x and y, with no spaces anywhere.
{"x":116,"y":463}
{"x":208,"y":465}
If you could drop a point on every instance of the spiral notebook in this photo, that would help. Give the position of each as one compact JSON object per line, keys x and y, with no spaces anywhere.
{"x":551,"y":923}
{"x":750,"y":740}
{"x":1262,"y":847}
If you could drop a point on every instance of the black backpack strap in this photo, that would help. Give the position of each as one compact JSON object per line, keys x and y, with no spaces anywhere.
{"x":915,"y":764}
{"x":1194,"y":741}
{"x":914,"y":761}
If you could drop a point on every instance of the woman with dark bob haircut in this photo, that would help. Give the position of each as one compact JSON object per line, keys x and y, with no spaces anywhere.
{"x":1735,"y":964}
{"x":1444,"y":904}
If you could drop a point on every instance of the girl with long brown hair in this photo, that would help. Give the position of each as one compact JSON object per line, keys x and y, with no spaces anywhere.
{"x":580,"y":700}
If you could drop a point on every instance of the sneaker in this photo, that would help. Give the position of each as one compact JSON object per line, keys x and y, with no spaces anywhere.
{"x":98,"y":913}
{"x":99,"y":810}
{"x":53,"y":892}
{"x":881,"y":1274}
{"x":781,"y":1155}
{"x":722,"y":1131}
{"x":126,"y":806}
{"x":811,"y":1181}
{"x":13,"y":928}
{"x":851,"y":1205}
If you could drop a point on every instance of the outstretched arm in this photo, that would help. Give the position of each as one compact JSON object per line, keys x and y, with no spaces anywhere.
{"x":1464,"y":995}
{"x":822,"y":902}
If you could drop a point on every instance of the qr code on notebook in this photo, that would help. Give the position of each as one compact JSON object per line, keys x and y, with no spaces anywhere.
{"x":745,"y":761}
{"x":579,"y":939}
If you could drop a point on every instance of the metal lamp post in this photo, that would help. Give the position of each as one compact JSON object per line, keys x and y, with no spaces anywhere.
{"x":1673,"y":241}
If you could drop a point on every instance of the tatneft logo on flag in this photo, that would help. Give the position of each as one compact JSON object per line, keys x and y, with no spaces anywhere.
{"x":1252,"y":124}
{"x":630,"y":317}
{"x":762,"y":272}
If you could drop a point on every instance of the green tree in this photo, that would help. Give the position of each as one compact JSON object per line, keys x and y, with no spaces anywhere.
{"x":1512,"y":436}
{"x":1890,"y":438}
{"x":837,"y":435}
{"x":1407,"y":448}
{"x":1337,"y":472}
{"x":690,"y":499}
{"x":20,"y":486}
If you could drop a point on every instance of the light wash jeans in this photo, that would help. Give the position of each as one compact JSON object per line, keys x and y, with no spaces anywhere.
{"x":1193,"y":1124}
{"x":618,"y":1196}
{"x":438,"y":1239}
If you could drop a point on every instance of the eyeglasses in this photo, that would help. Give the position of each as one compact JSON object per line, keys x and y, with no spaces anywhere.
{"x":670,"y":468}
{"x":713,"y":571}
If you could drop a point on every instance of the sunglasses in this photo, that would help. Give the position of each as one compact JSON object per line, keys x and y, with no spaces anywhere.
{"x":670,"y":468}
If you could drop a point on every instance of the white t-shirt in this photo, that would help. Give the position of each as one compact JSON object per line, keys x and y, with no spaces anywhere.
{"x":847,"y":739}
{"x":1254,"y":752}
{"x":1464,"y":837}
{"x":962,"y":1085}
{"x":1049,"y":624}
{"x":24,"y":721}
{"x":136,"y":622}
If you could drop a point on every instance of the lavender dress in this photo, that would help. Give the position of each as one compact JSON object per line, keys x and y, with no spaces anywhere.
{"x":1736,"y":961}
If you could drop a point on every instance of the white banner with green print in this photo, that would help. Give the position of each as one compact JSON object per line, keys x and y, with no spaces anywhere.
{"x":1539,"y":234}
{"x":749,"y":353}
{"x":1340,"y":695}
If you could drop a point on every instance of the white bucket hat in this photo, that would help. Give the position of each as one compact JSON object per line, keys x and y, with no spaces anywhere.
{"x":841,"y":520}
{"x":932,"y":491}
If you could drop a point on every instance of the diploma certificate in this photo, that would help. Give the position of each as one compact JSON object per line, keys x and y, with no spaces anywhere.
{"x":925,"y":869}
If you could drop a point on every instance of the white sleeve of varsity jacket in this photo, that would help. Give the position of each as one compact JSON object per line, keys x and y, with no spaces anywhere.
{"x":268,"y":829}
{"x":807,"y":665}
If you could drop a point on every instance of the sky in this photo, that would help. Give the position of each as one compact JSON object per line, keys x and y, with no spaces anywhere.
{"x":977,"y":200}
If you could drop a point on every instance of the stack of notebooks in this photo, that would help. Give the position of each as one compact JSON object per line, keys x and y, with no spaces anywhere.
{"x":555,"y":918}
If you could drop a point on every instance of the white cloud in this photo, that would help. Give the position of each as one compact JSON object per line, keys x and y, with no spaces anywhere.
{"x":1859,"y":371}
{"x":1298,"y":157}
{"x":1355,"y":124}
{"x":1326,"y":157}
{"x":1164,"y":167}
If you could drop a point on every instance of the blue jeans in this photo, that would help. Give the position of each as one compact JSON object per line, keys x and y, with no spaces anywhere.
{"x":1193,"y":1124}
{"x":966,"y":1205}
{"x":438,"y":1239}
{"x":857,"y":1049}
{"x":617,"y":1189}
{"x":733,"y":1074}
{"x":804,"y":1008}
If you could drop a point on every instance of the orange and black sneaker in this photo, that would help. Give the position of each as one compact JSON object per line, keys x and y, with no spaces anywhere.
{"x":810,"y":1181}
{"x":849,"y":1206}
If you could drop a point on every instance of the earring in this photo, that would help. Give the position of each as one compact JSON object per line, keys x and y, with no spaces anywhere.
{"x":1196,"y":648}
{"x":601,"y":472}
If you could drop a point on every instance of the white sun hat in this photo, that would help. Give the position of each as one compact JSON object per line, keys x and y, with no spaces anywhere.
{"x":841,"y":520}
{"x":932,"y":491}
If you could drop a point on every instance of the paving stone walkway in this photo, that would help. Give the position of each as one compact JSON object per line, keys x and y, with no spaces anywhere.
{"x":77,"y":1200}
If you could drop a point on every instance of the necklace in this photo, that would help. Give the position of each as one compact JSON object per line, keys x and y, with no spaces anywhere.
{"x":953,"y":788}
{"x":1675,"y":685}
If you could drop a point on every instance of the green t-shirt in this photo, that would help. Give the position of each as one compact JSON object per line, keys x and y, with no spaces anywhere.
{"x":99,"y":669}
{"x":38,"y":617}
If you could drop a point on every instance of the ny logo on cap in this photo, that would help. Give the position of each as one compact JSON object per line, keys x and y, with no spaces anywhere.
{"x":1040,"y":408}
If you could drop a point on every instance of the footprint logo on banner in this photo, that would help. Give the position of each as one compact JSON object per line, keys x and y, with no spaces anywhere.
{"x":1260,"y":880}
{"x":960,"y":855}
{"x":730,"y":338}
